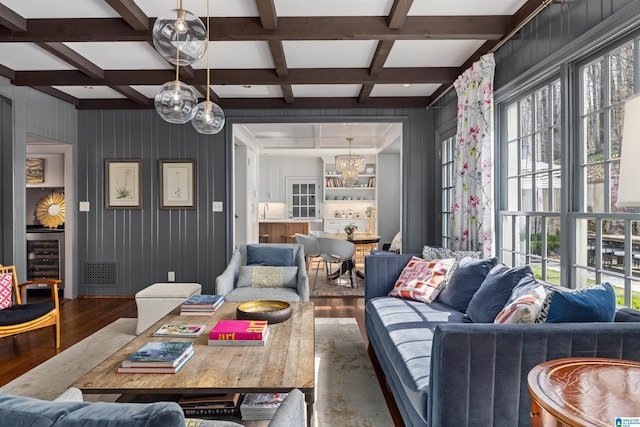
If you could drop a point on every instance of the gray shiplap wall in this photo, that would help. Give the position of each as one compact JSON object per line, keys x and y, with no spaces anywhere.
{"x":147,"y":243}
{"x":26,"y":110}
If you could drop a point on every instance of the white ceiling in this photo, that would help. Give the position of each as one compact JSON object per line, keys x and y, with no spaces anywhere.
{"x":303,"y":53}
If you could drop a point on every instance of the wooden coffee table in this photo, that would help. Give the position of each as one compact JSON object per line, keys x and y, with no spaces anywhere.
{"x":284,"y":363}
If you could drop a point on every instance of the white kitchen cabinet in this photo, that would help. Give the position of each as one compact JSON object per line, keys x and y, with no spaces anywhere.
{"x":336,"y":225}
{"x":271,"y":185}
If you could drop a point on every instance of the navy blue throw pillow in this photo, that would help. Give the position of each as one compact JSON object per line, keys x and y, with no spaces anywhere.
{"x":494,"y":292}
{"x":591,"y":304}
{"x":465,"y":281}
{"x":269,"y":255}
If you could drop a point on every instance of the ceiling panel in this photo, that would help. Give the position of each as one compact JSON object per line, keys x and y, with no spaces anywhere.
{"x":252,"y":91}
{"x":121,"y":55}
{"x":89,"y":92}
{"x":32,"y":9}
{"x":431,"y":53}
{"x":156,"y":8}
{"x":465,"y":7}
{"x":28,"y":57}
{"x":237,"y":55}
{"x":329,"y":53}
{"x":326,"y":90}
{"x":402,"y":90}
{"x":333,"y":7}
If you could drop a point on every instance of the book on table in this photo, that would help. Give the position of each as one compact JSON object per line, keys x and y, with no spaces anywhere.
{"x":155,"y":369}
{"x":164,"y":354}
{"x":179,"y":331}
{"x":260,"y":406}
{"x":239,"y":332}
{"x":201,"y":305}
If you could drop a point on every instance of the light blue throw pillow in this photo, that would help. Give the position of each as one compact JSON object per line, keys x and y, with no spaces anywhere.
{"x":591,"y":304}
{"x":269,"y":255}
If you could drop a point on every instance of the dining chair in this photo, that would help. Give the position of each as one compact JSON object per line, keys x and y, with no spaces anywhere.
{"x":337,"y":251}
{"x":311,"y":251}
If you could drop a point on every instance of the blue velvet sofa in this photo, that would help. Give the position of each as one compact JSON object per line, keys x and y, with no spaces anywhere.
{"x":444,"y":370}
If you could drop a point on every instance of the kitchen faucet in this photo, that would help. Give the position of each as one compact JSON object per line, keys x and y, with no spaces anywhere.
{"x":264,"y":211}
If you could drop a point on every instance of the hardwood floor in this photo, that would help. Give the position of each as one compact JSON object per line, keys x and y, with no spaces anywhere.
{"x":84,"y":316}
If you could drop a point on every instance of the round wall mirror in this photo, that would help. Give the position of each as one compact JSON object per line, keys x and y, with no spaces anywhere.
{"x":50,"y":210}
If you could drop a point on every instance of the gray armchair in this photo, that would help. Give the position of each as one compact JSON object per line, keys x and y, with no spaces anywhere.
{"x":69,"y":409}
{"x":238,"y":281}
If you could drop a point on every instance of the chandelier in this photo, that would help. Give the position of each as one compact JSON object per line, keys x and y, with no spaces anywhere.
{"x":182,"y":40}
{"x":350,"y":166}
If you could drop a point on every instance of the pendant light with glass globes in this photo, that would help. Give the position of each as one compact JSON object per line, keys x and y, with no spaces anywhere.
{"x":208,"y":117}
{"x":182,"y":40}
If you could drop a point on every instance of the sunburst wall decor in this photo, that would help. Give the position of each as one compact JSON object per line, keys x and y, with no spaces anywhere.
{"x":50,"y":210}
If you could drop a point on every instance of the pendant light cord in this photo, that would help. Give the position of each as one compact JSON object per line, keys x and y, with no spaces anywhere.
{"x":208,"y":46}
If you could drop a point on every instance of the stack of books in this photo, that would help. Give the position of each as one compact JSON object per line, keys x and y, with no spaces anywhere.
{"x":239,"y":332}
{"x":201,"y":305}
{"x":179,"y":331}
{"x":209,"y":405}
{"x":164,"y":357}
{"x":260,"y":406}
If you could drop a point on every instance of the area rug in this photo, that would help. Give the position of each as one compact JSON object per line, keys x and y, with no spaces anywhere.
{"x":338,"y":288}
{"x":347,"y":390}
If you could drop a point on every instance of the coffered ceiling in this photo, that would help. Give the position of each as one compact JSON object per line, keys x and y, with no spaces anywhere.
{"x":262,"y":53}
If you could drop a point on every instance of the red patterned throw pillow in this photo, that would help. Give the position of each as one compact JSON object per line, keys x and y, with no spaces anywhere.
{"x":423,"y":280}
{"x":6,"y":289}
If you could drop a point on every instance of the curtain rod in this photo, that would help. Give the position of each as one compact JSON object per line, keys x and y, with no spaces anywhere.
{"x":505,"y":39}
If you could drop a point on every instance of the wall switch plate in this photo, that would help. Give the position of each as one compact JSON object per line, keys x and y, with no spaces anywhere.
{"x":217,"y":206}
{"x":84,"y":206}
{"x":171,"y":276}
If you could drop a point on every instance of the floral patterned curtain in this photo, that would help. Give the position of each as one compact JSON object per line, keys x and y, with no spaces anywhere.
{"x":472,"y":210}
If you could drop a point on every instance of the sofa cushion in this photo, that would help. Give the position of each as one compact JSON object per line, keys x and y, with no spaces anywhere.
{"x":6,"y":290}
{"x":251,"y":294}
{"x":590,"y":304}
{"x":465,"y":281}
{"x":259,"y":276}
{"x":269,"y":255}
{"x":402,"y":333}
{"x":422,"y":280}
{"x":25,"y":411}
{"x":494,"y":292}
{"x":24,"y":312}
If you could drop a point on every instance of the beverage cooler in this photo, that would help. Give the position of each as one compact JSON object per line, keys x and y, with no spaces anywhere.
{"x":45,"y":255}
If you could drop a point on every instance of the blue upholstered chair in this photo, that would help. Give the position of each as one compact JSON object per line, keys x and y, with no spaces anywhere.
{"x":284,"y":278}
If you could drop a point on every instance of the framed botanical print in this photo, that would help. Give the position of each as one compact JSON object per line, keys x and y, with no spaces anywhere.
{"x":177,"y":184}
{"x":123,"y":183}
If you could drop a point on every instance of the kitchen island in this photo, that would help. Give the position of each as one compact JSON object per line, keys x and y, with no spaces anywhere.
{"x":278,"y":228}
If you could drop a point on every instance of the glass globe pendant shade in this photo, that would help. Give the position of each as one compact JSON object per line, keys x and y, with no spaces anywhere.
{"x":176,"y":102}
{"x":208,"y":118}
{"x":184,"y":30}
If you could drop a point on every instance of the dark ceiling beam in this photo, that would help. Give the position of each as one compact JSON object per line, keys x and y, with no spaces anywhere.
{"x":131,"y":13}
{"x":187,"y":72}
{"x":58,"y":94}
{"x":289,"y":28}
{"x":365,"y":92}
{"x":287,"y":94}
{"x":380,"y":57}
{"x":302,"y":103}
{"x":267,"y":12}
{"x":11,"y":20}
{"x":133,"y":95}
{"x":399,"y":12}
{"x":241,"y":76}
{"x":279,"y":60}
{"x":7,"y":72}
{"x":72,"y":57}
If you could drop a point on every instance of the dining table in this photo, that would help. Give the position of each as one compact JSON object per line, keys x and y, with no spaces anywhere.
{"x":350,"y":265}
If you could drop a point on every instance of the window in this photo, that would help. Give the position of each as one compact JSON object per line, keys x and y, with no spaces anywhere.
{"x":607,"y":237}
{"x":446,"y":156}
{"x":303,"y":198}
{"x":532,"y":174}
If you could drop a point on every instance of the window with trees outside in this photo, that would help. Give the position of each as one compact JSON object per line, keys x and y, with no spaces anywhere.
{"x":532,"y":180}
{"x":446,"y":157}
{"x":607,"y":237}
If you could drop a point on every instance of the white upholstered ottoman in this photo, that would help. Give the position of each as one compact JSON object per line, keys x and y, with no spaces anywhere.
{"x":157,"y":300}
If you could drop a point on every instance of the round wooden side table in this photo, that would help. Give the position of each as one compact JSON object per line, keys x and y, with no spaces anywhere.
{"x":584,"y":392}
